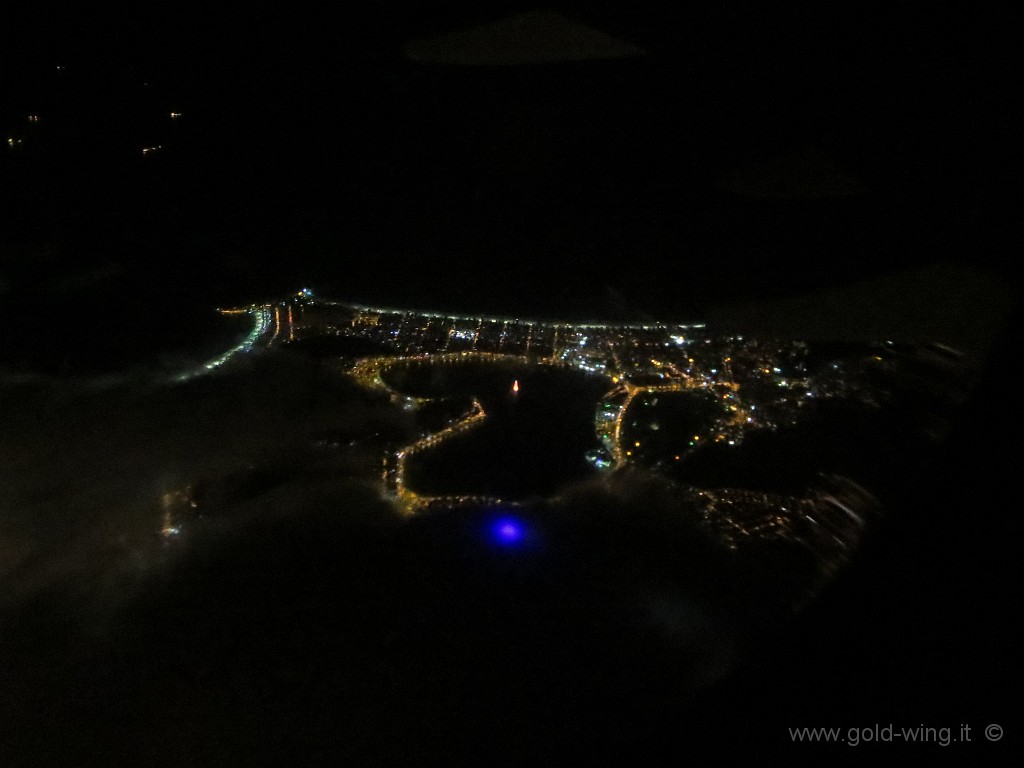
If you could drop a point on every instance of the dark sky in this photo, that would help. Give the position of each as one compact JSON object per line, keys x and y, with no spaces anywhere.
{"x":756,"y":150}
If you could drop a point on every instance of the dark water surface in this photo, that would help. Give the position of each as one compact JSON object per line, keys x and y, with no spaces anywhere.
{"x":532,"y":442}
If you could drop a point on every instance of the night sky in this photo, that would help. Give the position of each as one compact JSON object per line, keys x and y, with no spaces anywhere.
{"x":827,"y":170}
{"x":747,"y":154}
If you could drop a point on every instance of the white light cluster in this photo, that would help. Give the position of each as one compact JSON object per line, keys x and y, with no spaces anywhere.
{"x":261,"y":322}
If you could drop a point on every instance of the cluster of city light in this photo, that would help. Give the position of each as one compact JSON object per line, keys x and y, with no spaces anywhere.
{"x":620,"y":455}
{"x":594,"y":348}
{"x":717,"y":379}
{"x":367,"y":371}
{"x":829,"y":521}
{"x":408,"y":332}
{"x":619,"y":352}
{"x":455,"y":318}
{"x":609,"y":422}
{"x":734,"y":514}
{"x":610,"y":350}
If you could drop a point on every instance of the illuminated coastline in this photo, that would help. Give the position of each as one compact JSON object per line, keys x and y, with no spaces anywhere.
{"x":261,"y":319}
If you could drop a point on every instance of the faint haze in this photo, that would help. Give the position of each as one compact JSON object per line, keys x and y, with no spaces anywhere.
{"x":960,"y":306}
{"x":85,"y":463}
{"x":300,"y":584}
{"x":806,"y":173}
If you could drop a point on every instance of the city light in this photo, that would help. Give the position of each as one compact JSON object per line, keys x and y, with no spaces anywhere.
{"x":636,"y":361}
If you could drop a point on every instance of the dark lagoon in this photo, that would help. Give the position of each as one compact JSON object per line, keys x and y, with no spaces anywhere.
{"x":532,"y":441}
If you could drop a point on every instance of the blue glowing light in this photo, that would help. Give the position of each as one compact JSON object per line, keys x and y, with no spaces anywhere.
{"x":508,"y":531}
